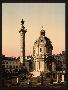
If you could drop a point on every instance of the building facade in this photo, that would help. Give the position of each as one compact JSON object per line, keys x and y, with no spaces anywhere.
{"x":10,"y":64}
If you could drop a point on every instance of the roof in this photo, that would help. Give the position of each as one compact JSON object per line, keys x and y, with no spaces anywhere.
{"x":48,"y":43}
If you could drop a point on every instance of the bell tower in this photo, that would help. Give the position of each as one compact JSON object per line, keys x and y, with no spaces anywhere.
{"x":22,"y":41}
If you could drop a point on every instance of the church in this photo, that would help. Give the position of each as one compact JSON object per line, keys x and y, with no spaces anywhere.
{"x":43,"y":61}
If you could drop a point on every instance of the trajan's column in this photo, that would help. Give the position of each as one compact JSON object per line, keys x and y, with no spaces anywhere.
{"x":22,"y":41}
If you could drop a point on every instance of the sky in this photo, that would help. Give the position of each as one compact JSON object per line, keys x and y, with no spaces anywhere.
{"x":49,"y":15}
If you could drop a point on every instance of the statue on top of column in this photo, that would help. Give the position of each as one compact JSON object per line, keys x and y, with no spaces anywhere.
{"x":22,"y":23}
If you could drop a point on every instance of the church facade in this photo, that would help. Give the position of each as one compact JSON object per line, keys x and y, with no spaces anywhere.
{"x":42,"y":49}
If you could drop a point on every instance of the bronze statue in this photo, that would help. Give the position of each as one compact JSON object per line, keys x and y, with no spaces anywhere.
{"x":22,"y":22}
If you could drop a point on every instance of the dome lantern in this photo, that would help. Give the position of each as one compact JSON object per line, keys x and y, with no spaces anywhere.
{"x":42,"y":32}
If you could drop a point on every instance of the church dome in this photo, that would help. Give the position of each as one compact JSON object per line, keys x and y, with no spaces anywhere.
{"x":48,"y":43}
{"x":42,"y":46}
{"x":44,"y":40}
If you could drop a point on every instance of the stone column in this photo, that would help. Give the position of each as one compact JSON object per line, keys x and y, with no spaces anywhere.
{"x":22,"y":40}
{"x":62,"y":78}
{"x":57,"y":78}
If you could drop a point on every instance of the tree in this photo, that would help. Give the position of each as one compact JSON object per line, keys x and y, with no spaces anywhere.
{"x":49,"y":61}
{"x":23,"y":73}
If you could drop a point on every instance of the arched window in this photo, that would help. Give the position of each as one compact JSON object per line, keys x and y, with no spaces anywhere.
{"x":16,"y":66}
{"x":40,"y":49}
{"x":6,"y":62}
{"x":41,"y":40}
